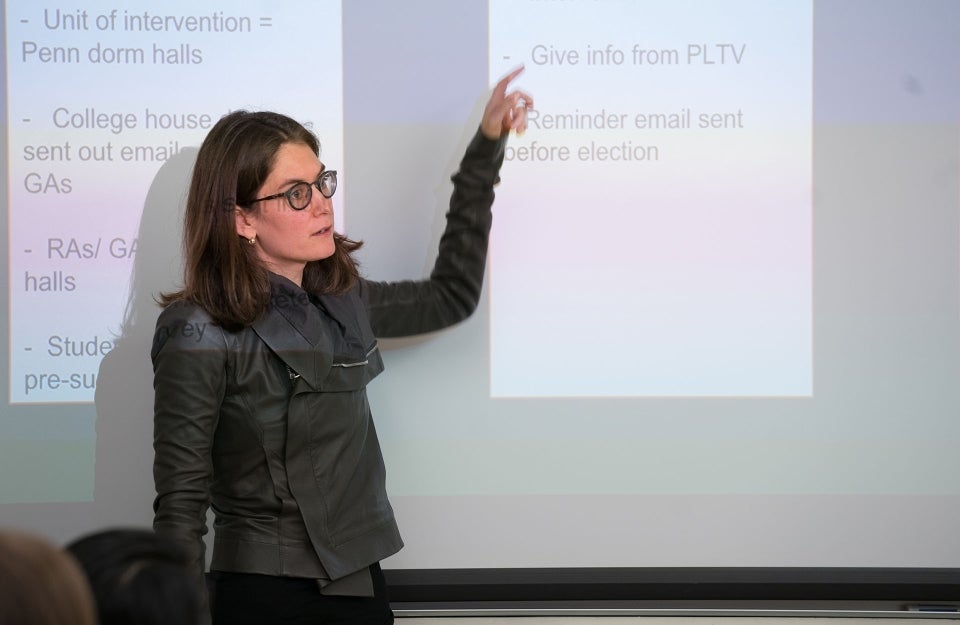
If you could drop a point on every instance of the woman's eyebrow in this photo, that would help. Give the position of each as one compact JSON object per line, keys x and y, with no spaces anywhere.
{"x":290,"y":181}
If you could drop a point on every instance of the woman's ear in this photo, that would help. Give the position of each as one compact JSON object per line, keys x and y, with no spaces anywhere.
{"x":245,"y":224}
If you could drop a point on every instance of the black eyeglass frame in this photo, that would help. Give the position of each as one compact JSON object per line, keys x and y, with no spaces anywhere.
{"x":328,"y":176}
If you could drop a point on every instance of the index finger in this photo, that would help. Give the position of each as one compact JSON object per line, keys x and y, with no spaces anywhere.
{"x":501,"y":87}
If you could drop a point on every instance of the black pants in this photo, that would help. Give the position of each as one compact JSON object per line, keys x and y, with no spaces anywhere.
{"x":248,"y":599}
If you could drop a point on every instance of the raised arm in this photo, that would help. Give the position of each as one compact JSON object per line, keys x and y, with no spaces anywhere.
{"x":452,"y":291}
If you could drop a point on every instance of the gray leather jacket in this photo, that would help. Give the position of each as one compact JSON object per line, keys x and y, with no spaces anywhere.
{"x":271,"y":424}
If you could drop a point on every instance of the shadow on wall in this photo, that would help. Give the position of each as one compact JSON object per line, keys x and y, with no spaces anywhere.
{"x":123,"y":478}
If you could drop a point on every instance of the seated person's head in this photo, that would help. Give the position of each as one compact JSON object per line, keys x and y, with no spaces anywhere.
{"x":138,"y":577}
{"x":41,"y":584}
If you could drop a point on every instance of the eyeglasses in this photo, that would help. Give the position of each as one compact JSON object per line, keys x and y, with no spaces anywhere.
{"x":299,"y":195}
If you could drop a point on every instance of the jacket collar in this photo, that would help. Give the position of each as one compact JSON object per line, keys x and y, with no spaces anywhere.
{"x":293,"y":330}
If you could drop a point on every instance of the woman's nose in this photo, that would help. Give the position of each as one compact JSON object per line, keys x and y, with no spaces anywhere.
{"x":319,"y":203}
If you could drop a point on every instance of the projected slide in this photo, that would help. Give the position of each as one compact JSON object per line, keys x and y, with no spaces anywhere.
{"x":654,"y":237}
{"x":651,"y":263}
{"x":101,"y":96}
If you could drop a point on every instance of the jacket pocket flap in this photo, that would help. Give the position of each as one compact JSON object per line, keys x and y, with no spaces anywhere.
{"x":352,"y":374}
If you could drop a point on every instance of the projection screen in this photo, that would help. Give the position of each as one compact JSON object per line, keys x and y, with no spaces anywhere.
{"x":721,"y":321}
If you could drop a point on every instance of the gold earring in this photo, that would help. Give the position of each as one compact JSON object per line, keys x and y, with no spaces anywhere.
{"x":252,"y":240}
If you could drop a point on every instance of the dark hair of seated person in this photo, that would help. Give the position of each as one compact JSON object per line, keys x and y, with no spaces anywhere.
{"x":138,"y":577}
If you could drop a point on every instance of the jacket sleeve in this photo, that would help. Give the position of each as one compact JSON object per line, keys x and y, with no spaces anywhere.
{"x":189,"y":365}
{"x":452,"y":291}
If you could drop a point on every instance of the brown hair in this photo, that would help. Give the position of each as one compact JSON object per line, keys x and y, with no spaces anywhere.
{"x":41,"y":584}
{"x":222,"y":274}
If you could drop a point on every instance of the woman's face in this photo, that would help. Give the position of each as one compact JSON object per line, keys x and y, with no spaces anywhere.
{"x":288,"y":239}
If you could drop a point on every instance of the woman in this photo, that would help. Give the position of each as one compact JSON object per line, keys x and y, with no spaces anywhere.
{"x":262,"y":360}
